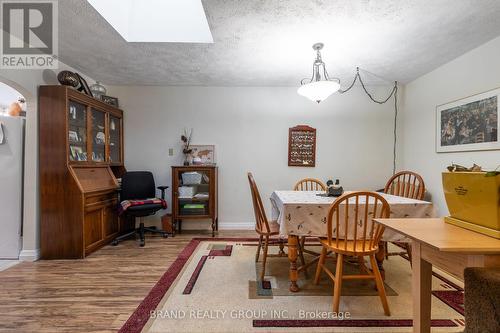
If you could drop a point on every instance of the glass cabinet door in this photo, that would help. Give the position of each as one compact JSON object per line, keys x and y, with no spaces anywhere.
{"x":98,"y":136}
{"x":77,"y":132}
{"x":115,"y":143}
{"x":193,"y":193}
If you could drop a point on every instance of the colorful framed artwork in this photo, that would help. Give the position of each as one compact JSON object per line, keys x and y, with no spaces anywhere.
{"x":203,"y":154}
{"x":468,"y":124}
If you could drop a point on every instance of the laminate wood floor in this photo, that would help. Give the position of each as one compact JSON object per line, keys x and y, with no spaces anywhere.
{"x":96,"y":294}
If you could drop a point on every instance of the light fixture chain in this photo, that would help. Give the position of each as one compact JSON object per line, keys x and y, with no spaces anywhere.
{"x":394,"y":93}
{"x":395,"y":127}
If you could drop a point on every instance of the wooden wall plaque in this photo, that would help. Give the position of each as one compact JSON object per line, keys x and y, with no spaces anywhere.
{"x":302,"y":146}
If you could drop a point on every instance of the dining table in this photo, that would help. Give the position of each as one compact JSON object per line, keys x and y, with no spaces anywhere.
{"x":304,"y":214}
{"x":446,"y":246}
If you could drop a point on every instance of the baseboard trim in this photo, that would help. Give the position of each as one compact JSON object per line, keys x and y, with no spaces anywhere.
{"x":29,"y":255}
{"x":236,"y":225}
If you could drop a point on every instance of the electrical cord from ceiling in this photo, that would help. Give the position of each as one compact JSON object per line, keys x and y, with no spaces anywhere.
{"x":394,"y":92}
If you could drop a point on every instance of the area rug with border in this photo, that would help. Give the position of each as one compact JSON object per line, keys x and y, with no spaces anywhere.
{"x":212,"y":286}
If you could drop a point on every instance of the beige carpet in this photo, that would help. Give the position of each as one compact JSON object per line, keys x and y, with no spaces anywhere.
{"x":224,"y":298}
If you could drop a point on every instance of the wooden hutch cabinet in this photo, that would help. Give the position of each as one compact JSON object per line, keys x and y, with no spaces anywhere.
{"x":194,"y":194}
{"x":81,"y":154}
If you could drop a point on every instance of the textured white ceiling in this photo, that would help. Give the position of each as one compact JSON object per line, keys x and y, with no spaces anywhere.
{"x":268,"y":42}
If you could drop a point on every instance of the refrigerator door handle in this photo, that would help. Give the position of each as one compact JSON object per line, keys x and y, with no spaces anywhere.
{"x":2,"y":135}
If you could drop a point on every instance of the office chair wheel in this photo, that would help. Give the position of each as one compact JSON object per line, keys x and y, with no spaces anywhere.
{"x":165,"y":235}
{"x":114,"y":243}
{"x":142,"y":242}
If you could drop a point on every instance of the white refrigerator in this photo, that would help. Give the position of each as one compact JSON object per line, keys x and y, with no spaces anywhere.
{"x":11,"y":185}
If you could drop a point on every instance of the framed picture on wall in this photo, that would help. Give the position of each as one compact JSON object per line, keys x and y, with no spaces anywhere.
{"x":468,"y":124}
{"x":302,"y":146}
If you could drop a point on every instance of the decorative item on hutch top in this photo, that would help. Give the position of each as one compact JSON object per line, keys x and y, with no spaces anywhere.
{"x":110,"y":100}
{"x":468,"y":124}
{"x":98,"y":90}
{"x":68,"y":78}
{"x":302,"y":146}
{"x":84,"y":87}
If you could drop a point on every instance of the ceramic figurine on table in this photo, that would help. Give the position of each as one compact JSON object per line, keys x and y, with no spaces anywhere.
{"x":334,"y":190}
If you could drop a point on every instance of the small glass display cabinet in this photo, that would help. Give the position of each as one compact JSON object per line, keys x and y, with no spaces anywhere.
{"x":194,"y":195}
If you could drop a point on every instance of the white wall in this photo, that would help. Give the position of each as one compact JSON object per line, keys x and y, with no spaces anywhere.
{"x":474,"y":72}
{"x":249,"y":126}
{"x":27,"y":82}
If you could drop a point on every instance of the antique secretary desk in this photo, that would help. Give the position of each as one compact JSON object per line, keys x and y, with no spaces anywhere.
{"x":81,"y":157}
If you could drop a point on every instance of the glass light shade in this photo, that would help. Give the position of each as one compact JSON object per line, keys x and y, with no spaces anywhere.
{"x":318,"y":91}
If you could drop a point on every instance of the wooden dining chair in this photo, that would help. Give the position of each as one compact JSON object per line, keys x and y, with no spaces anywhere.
{"x":351,"y":231}
{"x":264,"y":228}
{"x":309,"y":184}
{"x":407,"y":184}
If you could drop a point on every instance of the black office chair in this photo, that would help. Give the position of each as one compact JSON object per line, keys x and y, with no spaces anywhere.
{"x":140,"y":185}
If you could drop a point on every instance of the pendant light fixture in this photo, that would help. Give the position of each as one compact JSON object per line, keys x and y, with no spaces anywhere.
{"x":320,"y":85}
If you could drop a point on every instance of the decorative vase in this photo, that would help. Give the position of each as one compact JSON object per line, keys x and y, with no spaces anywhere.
{"x":68,"y":78}
{"x":98,"y":90}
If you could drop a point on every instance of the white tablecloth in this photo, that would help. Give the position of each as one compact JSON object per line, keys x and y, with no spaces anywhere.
{"x":304,"y":213}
